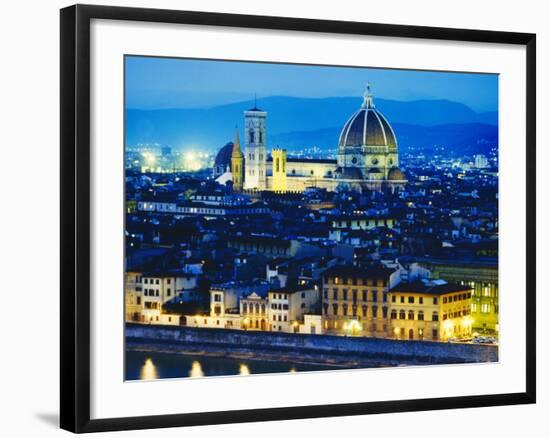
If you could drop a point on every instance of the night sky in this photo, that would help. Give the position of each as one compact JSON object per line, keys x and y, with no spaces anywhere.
{"x":153,"y":83}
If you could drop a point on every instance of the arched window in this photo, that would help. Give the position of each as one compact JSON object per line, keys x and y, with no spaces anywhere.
{"x":277,"y":165}
{"x":251,"y":136}
{"x":401,"y":314}
{"x":420,"y":315}
{"x":261,"y":138}
{"x":393,"y":314}
{"x":411,"y":314}
{"x":435,"y":316}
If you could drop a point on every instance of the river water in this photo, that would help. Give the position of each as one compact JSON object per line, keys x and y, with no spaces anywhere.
{"x":142,"y":365}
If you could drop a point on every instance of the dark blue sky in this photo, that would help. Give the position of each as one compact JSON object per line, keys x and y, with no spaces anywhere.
{"x":179,"y":83}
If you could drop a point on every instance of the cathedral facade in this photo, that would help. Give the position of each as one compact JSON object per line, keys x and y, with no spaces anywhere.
{"x":367,"y":157}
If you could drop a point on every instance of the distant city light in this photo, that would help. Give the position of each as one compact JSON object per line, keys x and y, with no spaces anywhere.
{"x":150,"y":158}
{"x":192,"y":161}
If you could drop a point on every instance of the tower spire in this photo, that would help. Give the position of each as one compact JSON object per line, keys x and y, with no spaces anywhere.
{"x":236,"y":143}
{"x":237,"y":159}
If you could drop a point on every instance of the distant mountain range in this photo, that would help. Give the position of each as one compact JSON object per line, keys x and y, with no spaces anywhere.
{"x":295,"y":123}
{"x":463,"y":138}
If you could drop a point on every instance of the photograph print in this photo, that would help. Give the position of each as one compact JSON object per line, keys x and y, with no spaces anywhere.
{"x":285,"y":218}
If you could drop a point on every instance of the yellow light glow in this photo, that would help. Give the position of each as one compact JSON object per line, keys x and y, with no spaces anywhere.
{"x":447,"y":326}
{"x":196,"y":370}
{"x":244,"y":370}
{"x":148,"y":370}
{"x":149,"y":158}
{"x":191,"y":161}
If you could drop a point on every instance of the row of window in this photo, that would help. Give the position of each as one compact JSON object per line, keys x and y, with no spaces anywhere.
{"x":354,"y":295}
{"x":456,"y":314}
{"x":355,"y":281}
{"x":278,"y":318}
{"x":401,"y":333}
{"x":260,"y":172}
{"x":412,"y":299}
{"x":152,"y":280}
{"x":485,"y":308}
{"x":251,"y":156}
{"x":459,"y":297}
{"x":251,"y":137}
{"x":282,"y":296}
{"x":279,"y":306}
{"x":346,"y":308}
{"x":155,"y":292}
{"x":253,"y":308}
{"x":278,"y":165}
{"x":411,"y":315}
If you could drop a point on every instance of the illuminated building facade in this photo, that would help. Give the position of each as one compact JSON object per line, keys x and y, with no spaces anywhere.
{"x":355,"y":300}
{"x":430,"y":310}
{"x":481,"y":276}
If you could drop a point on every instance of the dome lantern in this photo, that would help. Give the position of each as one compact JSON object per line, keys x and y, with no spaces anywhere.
{"x":368,"y":101}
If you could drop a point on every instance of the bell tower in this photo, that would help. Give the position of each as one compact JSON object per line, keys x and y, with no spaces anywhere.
{"x":255,"y":149}
{"x":237,"y":164}
{"x":279,"y":170}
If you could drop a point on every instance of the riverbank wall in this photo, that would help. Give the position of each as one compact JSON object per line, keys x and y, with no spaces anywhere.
{"x":316,"y":348}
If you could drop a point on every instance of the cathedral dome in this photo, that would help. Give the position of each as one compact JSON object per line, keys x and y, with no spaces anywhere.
{"x":223,"y":158}
{"x":367,"y":127}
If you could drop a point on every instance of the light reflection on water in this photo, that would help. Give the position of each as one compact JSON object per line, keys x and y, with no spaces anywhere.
{"x":196,"y":369}
{"x":148,"y":370}
{"x":244,"y":370}
{"x":151,"y":366}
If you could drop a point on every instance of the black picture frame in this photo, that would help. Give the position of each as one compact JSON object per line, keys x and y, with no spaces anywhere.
{"x":75,"y":216}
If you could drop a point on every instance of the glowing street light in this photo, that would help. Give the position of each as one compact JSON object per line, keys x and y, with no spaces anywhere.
{"x":353,"y":327}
